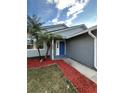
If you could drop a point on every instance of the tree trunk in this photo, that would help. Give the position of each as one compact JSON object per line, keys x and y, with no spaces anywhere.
{"x":48,"y":48}
{"x":38,"y":49}
{"x":39,"y":53}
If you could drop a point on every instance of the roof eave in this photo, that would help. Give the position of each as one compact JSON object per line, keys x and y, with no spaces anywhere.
{"x":90,"y":29}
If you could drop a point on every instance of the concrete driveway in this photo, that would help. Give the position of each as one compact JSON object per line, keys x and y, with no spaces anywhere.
{"x":89,"y":73}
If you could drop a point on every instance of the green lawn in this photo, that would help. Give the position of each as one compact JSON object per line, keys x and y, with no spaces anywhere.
{"x":48,"y":79}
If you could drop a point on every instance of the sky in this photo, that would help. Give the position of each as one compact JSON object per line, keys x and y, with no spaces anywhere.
{"x":69,"y":12}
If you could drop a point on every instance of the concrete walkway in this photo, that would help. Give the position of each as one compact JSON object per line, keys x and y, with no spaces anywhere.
{"x":89,"y":73}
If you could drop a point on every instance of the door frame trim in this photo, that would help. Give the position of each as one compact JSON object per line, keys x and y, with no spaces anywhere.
{"x":57,"y":42}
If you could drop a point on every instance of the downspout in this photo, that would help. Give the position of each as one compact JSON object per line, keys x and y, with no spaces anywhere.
{"x":53,"y":49}
{"x":95,"y":45}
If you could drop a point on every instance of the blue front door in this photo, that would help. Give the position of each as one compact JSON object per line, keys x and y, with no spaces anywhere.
{"x":62,"y":47}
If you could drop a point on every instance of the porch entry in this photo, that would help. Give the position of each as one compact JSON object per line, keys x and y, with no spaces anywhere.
{"x":60,"y":48}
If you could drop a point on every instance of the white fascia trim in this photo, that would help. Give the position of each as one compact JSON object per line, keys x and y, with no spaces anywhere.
{"x":95,"y":45}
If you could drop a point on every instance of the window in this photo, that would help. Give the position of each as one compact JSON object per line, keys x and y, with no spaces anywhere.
{"x":29,"y":44}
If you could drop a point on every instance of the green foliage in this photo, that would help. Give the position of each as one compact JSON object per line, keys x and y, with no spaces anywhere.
{"x":35,"y":29}
{"x":33,"y":25}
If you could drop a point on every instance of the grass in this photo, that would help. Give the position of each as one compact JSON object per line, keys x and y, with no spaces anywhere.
{"x":48,"y":79}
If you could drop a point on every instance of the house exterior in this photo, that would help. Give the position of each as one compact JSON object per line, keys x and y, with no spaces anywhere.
{"x":78,"y":43}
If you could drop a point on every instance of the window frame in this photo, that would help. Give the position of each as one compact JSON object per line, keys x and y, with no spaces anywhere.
{"x":30,"y":43}
{"x":35,"y":45}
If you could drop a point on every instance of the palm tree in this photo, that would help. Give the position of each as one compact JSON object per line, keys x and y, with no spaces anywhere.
{"x":34,"y":27}
{"x":47,"y":38}
{"x":36,"y":31}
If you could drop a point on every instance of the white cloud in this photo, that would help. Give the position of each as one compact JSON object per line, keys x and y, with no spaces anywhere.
{"x":74,"y":7}
{"x":69,"y":21}
{"x":61,"y":4}
{"x":55,"y":20}
{"x":50,"y":1}
{"x":60,"y":22}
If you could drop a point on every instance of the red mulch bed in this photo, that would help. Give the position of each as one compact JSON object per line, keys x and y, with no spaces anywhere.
{"x":80,"y":82}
